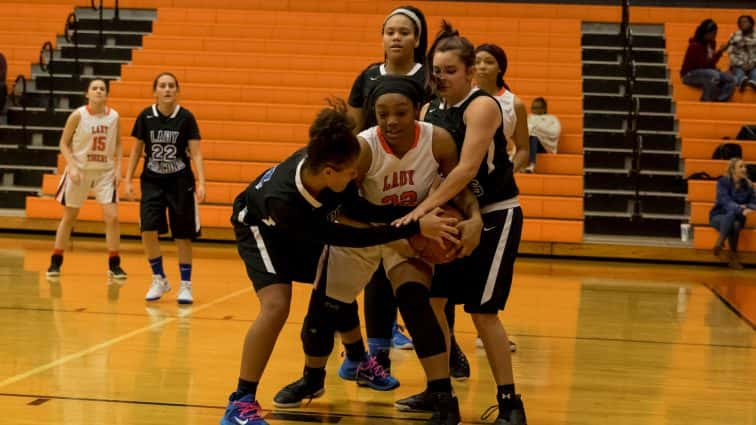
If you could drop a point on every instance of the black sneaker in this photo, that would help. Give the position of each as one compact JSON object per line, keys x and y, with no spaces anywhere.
{"x":459,"y":367}
{"x":56,"y":260}
{"x":416,"y":403}
{"x":512,"y":413}
{"x":116,"y":272}
{"x":445,"y":410}
{"x":292,"y":395}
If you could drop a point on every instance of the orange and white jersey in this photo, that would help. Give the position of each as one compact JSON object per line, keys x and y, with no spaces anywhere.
{"x":400,"y":181}
{"x":94,"y":140}
{"x":506,"y":100}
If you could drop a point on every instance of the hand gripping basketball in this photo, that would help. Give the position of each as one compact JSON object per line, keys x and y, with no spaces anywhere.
{"x":442,"y":249}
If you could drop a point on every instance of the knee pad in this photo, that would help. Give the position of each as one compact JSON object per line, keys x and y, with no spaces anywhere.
{"x":325,"y":316}
{"x":317,"y":335}
{"x":348,"y":317}
{"x":413,"y":300}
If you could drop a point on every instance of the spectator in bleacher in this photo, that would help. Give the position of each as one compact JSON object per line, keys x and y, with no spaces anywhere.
{"x":3,"y":75}
{"x":544,"y":130}
{"x":699,"y":68}
{"x":735,"y":201}
{"x":742,"y":53}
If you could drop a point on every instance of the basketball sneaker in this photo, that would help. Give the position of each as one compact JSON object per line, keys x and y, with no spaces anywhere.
{"x":399,"y":340}
{"x":421,"y":402}
{"x":158,"y":287}
{"x":56,"y":261}
{"x":185,"y":293}
{"x":243,"y":411}
{"x":348,"y":369}
{"x":371,"y":374}
{"x":292,"y":395}
{"x":459,"y":367}
{"x":511,"y":412}
{"x":445,"y":410}
{"x":114,"y":268}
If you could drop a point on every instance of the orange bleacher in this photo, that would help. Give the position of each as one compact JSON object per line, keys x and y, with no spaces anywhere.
{"x":232,"y":65}
{"x":703,"y":126}
{"x":24,"y":28}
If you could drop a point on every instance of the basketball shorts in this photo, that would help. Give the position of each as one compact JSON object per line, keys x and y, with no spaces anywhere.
{"x":482,"y":280}
{"x":176,"y":195}
{"x":102,"y":183}
{"x":349,"y":270}
{"x":270,"y":258}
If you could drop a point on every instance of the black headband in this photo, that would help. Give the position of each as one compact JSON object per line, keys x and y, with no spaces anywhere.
{"x":401,"y":85}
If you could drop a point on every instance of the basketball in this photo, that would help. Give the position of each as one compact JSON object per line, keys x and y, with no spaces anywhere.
{"x":429,"y":250}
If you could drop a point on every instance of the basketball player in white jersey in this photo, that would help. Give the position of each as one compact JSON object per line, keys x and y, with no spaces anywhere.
{"x":400,"y":160}
{"x":490,"y":68}
{"x":91,"y":145}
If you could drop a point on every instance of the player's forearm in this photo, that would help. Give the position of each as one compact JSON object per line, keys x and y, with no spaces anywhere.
{"x":468,"y":204}
{"x":452,"y":185}
{"x":198,"y":162}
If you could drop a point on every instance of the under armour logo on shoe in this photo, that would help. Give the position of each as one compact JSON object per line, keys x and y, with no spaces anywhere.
{"x":506,"y":396}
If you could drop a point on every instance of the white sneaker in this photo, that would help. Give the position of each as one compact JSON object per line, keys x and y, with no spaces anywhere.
{"x":185,"y":293}
{"x":479,"y":342}
{"x":158,"y":287}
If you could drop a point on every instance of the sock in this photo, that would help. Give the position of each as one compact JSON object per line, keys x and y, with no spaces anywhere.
{"x":378,"y":344}
{"x":246,"y":387}
{"x":355,"y":351}
{"x":186,"y":272}
{"x":57,"y":251}
{"x":505,"y":394}
{"x":114,"y":259}
{"x":157,"y":266}
{"x":314,"y":376}
{"x":440,"y":385}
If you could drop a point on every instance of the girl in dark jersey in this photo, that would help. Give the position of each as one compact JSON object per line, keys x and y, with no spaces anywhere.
{"x":405,"y":40}
{"x":481,"y":281}
{"x":167,"y":135}
{"x":284,"y":220}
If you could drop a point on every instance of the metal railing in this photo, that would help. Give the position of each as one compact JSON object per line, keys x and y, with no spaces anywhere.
{"x":71,"y":32}
{"x":632,"y":138}
{"x":46,"y":60}
{"x":18,"y":97}
{"x":98,"y":7}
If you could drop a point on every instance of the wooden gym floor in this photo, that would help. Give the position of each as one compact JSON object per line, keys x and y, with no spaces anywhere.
{"x":599,"y":343}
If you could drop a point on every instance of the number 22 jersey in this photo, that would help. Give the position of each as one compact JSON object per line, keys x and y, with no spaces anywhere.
{"x":166,"y":140}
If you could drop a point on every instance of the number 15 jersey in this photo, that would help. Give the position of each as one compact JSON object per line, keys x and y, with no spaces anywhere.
{"x":166,"y":140}
{"x":94,"y":140}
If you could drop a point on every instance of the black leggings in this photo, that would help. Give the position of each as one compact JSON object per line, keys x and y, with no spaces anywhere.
{"x":381,"y":308}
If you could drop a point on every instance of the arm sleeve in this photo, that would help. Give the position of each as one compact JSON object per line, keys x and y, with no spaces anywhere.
{"x":302,"y":226}
{"x":359,"y":208}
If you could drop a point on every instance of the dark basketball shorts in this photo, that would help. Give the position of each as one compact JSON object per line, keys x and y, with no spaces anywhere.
{"x":482,"y":280}
{"x":271,"y":259}
{"x":176,"y":195}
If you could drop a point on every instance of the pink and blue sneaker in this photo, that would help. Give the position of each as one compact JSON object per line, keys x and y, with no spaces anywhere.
{"x":243,"y":411}
{"x":371,"y":374}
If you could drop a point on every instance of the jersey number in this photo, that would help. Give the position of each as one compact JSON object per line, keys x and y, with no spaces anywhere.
{"x":407,"y":199}
{"x":98,"y":143}
{"x":163,"y":152}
